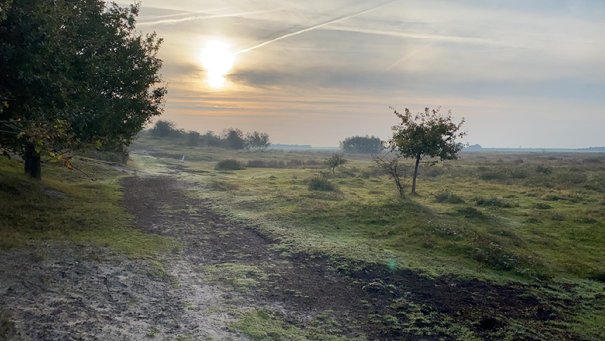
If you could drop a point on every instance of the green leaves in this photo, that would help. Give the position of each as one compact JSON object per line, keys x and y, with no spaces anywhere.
{"x":74,"y":73}
{"x":427,"y":134}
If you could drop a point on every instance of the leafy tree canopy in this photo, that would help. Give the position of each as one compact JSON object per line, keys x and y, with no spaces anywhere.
{"x":234,"y":138}
{"x":426,"y":134}
{"x":362,"y":145}
{"x":334,"y":161}
{"x":74,"y":73}
{"x":257,"y":141}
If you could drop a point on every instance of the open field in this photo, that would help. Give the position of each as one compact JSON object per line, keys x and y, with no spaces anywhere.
{"x":495,"y":246}
{"x":535,"y":219}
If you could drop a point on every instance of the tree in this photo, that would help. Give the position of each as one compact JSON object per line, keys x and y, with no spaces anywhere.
{"x":334,"y":161}
{"x":74,"y":73}
{"x":395,"y":169}
{"x":362,"y":145}
{"x":427,"y":134}
{"x":193,"y":138}
{"x":211,"y":139}
{"x":163,"y":128}
{"x":257,"y":141}
{"x":234,"y":138}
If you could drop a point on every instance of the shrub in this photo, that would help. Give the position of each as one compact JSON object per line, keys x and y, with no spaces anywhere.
{"x":470,"y":213}
{"x":228,"y":164}
{"x":493,"y":202}
{"x":448,"y":197}
{"x":543,"y":170}
{"x":319,"y":183}
{"x":542,"y":206}
{"x":493,"y":255}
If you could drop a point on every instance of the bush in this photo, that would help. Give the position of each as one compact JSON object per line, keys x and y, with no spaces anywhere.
{"x":493,"y":202}
{"x":228,"y":164}
{"x":542,"y":206}
{"x":470,"y":213}
{"x":448,"y":197}
{"x":494,"y":255}
{"x":543,"y":170}
{"x":319,"y":183}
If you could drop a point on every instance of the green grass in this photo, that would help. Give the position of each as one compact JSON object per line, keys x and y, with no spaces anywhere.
{"x":267,"y":325}
{"x":240,"y":277}
{"x":67,"y":205}
{"x":496,"y":228}
{"x":531,"y":218}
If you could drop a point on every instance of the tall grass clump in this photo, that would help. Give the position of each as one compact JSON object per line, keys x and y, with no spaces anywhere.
{"x":319,"y":183}
{"x":448,"y":197}
{"x":493,"y":202}
{"x":229,"y":164}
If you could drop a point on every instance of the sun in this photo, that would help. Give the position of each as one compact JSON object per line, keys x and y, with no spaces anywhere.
{"x":217,"y":60}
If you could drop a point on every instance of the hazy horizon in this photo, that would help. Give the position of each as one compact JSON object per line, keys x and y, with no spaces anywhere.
{"x":521,"y":74}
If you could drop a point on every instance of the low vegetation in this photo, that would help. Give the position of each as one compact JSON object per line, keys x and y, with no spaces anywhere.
{"x":502,"y":229}
{"x":229,"y":164}
{"x":70,"y":206}
{"x":320,"y":183}
{"x":505,"y":229}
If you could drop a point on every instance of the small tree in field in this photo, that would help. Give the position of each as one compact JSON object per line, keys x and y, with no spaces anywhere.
{"x":427,"y":134}
{"x":257,"y":141}
{"x":234,"y":138}
{"x":335,"y":161}
{"x":395,"y":169}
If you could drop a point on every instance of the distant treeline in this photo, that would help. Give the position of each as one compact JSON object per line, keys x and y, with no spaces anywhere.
{"x":231,"y":138}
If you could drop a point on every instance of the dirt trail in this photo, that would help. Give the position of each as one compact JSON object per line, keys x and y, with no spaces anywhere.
{"x":298,"y":288}
{"x":371,"y":301}
{"x":73,"y":292}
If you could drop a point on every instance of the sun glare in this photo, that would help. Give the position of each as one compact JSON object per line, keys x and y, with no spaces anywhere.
{"x":217,"y":60}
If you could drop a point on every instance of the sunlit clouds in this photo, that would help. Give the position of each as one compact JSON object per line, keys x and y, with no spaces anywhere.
{"x":319,"y":71}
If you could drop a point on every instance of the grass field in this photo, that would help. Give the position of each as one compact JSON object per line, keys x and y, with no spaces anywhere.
{"x":537,"y":219}
{"x":71,"y":206}
{"x":533,"y":219}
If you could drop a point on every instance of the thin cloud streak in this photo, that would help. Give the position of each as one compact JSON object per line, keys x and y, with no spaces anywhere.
{"x":201,"y":17}
{"x":420,"y":36}
{"x":314,"y":27}
{"x":145,"y":19}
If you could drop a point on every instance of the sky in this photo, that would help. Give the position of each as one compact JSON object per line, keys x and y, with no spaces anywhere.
{"x":521,"y":73}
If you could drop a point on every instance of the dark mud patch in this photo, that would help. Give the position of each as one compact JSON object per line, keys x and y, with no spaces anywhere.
{"x":363,"y":299}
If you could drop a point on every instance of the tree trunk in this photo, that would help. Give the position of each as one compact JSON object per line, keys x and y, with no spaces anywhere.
{"x":32,"y":164}
{"x":399,"y":187}
{"x":415,"y":174}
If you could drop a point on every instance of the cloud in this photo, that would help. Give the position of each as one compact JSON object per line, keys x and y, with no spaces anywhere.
{"x":314,"y":27}
{"x":170,"y":20}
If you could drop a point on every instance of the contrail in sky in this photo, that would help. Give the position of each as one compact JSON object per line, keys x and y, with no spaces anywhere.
{"x":199,"y":17}
{"x":158,"y":17}
{"x":314,"y":27}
